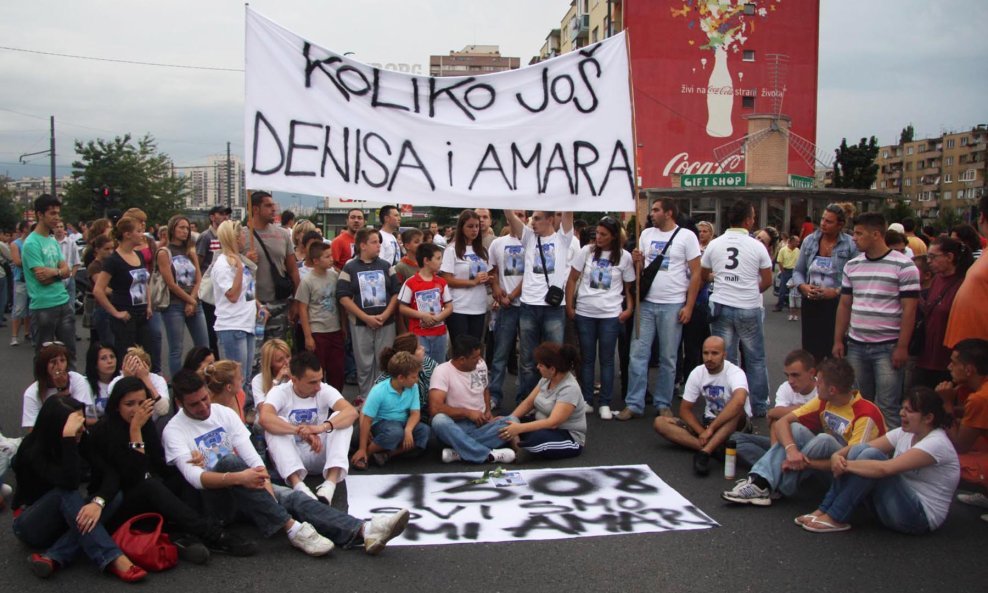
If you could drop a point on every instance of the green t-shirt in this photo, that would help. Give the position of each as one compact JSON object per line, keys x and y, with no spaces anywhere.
{"x":43,"y":252}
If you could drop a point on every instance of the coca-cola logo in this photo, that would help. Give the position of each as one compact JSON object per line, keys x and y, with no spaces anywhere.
{"x":680,"y":164}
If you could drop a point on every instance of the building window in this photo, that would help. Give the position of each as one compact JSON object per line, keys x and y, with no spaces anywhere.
{"x":594,"y":35}
{"x":910,"y":150}
{"x":749,"y":55}
{"x":948,"y":178}
{"x":909,"y":181}
{"x":963,"y":140}
{"x":950,"y":143}
{"x":960,"y":194}
{"x":949,"y":161}
{"x":969,"y":175}
{"x":748,"y":102}
{"x":749,"y":8}
{"x":885,"y":154}
{"x":947,"y":195}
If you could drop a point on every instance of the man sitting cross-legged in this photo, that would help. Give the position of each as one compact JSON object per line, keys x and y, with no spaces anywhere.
{"x":210,"y":446}
{"x":307,"y":426}
{"x":798,"y":388}
{"x":725,"y":391}
{"x":807,"y":437}
{"x":460,"y":404}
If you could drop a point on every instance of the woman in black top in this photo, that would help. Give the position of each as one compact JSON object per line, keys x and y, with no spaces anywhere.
{"x":49,"y":510}
{"x":126,"y":443}
{"x":125,"y":273}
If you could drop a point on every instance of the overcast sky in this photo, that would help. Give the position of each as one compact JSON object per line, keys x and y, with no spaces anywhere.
{"x":883,"y":64}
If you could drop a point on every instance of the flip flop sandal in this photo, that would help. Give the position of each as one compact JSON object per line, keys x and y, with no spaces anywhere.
{"x":362,"y":464}
{"x":807,"y":515}
{"x":828,"y":527}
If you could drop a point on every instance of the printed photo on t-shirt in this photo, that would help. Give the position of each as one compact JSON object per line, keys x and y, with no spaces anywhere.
{"x":249,"y":284}
{"x":836,"y":425}
{"x":478,"y":379}
{"x":214,"y":445}
{"x":514,"y":260}
{"x":428,"y":301}
{"x":303,"y":416}
{"x":714,"y":395}
{"x":185,"y":270}
{"x":139,"y":286}
{"x":477,"y":265}
{"x":372,"y":291}
{"x":654,"y":250}
{"x":821,"y":272}
{"x":549,"y":252}
{"x":328,"y":301}
{"x":600,"y":274}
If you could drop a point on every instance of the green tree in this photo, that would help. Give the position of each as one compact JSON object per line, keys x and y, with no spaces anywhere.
{"x":907,"y":134}
{"x":948,"y":219}
{"x":8,"y":210}
{"x":896,"y":210}
{"x":854,"y":166}
{"x":137,"y":174}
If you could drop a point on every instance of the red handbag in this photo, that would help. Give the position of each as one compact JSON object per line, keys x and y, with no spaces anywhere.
{"x":151,"y":550}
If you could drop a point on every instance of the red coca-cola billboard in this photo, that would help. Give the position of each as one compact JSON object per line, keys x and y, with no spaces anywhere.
{"x":700,"y":66}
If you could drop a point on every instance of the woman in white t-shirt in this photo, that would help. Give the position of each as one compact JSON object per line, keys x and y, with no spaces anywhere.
{"x":53,"y":377}
{"x":599,"y":298}
{"x":464,"y":269}
{"x":275,"y":358}
{"x":908,"y":476}
{"x":102,"y":366}
{"x":233,"y":293}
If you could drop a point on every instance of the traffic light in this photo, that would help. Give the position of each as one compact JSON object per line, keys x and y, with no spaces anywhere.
{"x":102,"y":197}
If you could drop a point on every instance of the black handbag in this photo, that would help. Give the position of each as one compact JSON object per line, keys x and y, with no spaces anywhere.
{"x":283,"y":287}
{"x":652,"y":269}
{"x":554,"y":295}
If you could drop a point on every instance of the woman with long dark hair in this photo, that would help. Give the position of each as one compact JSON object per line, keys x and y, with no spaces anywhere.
{"x":908,"y":476}
{"x":600,"y":274}
{"x":464,"y":269}
{"x":817,"y":276}
{"x":102,"y":366}
{"x":101,"y":248}
{"x":949,"y":261}
{"x":126,"y":274}
{"x":179,"y":268}
{"x":50,"y":512}
{"x":127,"y":442}
{"x":52,"y":377}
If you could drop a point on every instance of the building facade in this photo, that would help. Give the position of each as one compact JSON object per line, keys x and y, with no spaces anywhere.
{"x":27,"y":189}
{"x":933,"y":175}
{"x":472,"y":60}
{"x":206,"y":185}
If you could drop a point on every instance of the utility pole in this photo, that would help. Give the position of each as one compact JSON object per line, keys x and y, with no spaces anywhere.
{"x":53,"y":192}
{"x":229,"y":179}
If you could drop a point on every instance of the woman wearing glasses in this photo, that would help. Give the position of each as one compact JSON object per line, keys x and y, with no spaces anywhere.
{"x":817,"y":276}
{"x":53,"y":377}
{"x":600,"y":273}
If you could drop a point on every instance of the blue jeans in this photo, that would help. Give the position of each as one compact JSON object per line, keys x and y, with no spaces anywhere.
{"x":55,"y":323}
{"x":876,"y":378}
{"x":751,"y":447}
{"x":472,"y":442}
{"x":537,"y":324}
{"x":435,"y":347}
{"x":342,"y":529}
{"x":660,"y":320}
{"x":593,"y":334}
{"x":820,"y":446}
{"x":389,"y":434}
{"x":892,"y":500}
{"x":505,"y":334}
{"x":783,"y":291}
{"x":256,"y":505}
{"x":239,"y":346}
{"x":745,"y":326}
{"x":50,"y":523}
{"x":174,"y":318}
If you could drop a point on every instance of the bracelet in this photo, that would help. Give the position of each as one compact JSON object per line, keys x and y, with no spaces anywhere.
{"x":330,"y":423}
{"x":790,"y":445}
{"x":136,"y":445}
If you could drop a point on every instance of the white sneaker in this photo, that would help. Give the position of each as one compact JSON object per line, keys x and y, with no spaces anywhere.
{"x":588,"y":410}
{"x":383,"y":528}
{"x":309,"y":541}
{"x":974,"y":499}
{"x":605,"y":413}
{"x":325,"y":492}
{"x":502,"y":455}
{"x":5,"y":492}
{"x":13,"y":341}
{"x":450,"y":455}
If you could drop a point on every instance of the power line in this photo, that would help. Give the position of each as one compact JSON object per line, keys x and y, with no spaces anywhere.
{"x":119,"y":61}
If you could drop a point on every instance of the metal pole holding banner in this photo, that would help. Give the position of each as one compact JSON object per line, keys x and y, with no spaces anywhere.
{"x":636,"y":180}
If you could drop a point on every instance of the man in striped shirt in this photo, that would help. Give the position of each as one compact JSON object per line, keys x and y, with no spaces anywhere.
{"x":877,"y":312}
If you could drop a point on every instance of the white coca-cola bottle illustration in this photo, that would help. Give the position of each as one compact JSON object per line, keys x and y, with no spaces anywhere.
{"x":720,"y":97}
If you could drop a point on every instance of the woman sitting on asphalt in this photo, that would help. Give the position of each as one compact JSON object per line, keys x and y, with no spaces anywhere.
{"x":102,"y":366}
{"x":53,"y":377}
{"x":908,"y":476}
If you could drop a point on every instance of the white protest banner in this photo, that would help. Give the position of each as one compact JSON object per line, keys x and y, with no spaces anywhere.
{"x":532,"y":504}
{"x":556,"y":135}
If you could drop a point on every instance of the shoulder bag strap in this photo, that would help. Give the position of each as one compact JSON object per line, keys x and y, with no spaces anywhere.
{"x":274,"y":268}
{"x":545,"y":272}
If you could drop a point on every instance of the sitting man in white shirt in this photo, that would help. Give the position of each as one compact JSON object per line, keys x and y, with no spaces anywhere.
{"x":307,"y":426}
{"x":798,"y":388}
{"x":210,"y":446}
{"x":724,"y":388}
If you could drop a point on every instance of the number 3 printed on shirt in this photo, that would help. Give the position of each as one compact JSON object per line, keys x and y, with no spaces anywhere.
{"x":733,"y":257}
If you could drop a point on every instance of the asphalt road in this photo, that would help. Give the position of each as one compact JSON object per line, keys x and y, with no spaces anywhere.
{"x":754,"y":549}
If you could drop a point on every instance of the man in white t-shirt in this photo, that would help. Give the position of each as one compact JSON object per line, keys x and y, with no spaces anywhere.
{"x":211,"y":448}
{"x":798,"y":388}
{"x":724,"y":388}
{"x":307,"y":426}
{"x":438,"y":234}
{"x":390,"y":218}
{"x":546,"y":254}
{"x":507,"y":259}
{"x":666,"y":308}
{"x":741,"y":269}
{"x":460,"y":404}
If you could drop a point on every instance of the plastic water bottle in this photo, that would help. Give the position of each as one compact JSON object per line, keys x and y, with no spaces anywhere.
{"x":259,"y":329}
{"x":730,"y":459}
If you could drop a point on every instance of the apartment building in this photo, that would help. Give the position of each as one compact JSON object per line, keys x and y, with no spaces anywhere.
{"x":472,"y":60}
{"x":207,"y":184}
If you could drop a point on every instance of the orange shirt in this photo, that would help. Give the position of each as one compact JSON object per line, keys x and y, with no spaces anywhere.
{"x":969,"y":315}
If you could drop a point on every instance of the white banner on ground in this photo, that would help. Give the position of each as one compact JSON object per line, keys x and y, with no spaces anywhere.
{"x":556,"y":135}
{"x":538,"y":504}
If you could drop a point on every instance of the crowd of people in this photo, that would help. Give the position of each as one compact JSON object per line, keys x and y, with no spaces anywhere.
{"x":886,"y":398}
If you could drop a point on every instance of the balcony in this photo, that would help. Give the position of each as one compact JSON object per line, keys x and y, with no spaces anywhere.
{"x":579,"y":27}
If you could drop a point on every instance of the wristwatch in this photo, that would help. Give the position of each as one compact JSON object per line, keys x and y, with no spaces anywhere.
{"x":99,"y":500}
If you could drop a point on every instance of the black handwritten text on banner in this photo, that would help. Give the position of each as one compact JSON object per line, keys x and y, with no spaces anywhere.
{"x":557,"y":133}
